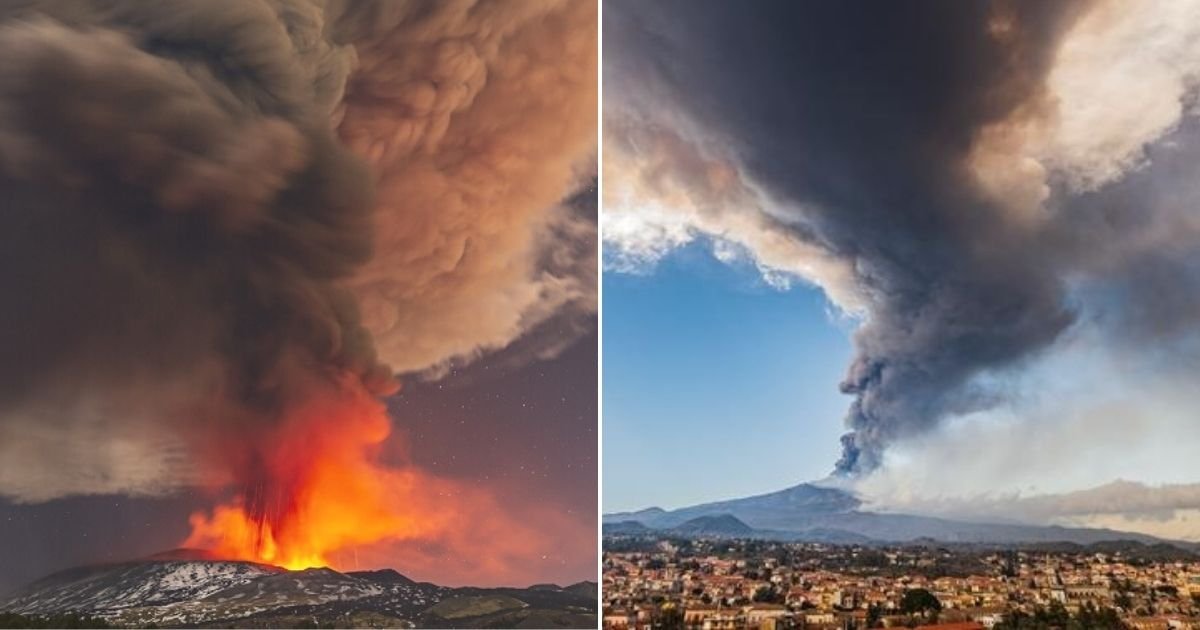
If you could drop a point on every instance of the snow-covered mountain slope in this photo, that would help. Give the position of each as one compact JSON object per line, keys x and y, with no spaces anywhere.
{"x":176,"y":590}
{"x":118,"y":586}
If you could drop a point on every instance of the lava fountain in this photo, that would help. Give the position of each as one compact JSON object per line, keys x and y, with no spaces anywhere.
{"x":312,"y":484}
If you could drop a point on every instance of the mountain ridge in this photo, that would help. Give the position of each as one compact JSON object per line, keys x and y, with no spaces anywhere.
{"x":166,"y":592}
{"x":825,"y":514}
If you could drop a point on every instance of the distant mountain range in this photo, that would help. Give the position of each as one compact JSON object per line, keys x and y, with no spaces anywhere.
{"x":192,"y":589}
{"x":822,"y":514}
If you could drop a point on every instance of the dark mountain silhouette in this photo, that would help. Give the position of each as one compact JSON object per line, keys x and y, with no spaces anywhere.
{"x":625,"y":527}
{"x":721,"y":525}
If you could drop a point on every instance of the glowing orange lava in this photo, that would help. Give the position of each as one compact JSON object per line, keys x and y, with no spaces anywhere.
{"x":313,"y":487}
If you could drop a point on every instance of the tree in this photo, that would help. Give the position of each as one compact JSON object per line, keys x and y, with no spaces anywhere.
{"x":874,"y":616}
{"x":768,"y":594}
{"x":667,"y":617}
{"x":919,"y":601}
{"x":1167,"y":589}
{"x":1057,"y":618}
{"x":1101,"y":619}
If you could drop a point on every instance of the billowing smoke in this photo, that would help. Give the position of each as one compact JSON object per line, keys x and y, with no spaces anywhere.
{"x":215,"y":210}
{"x":957,"y":175}
{"x":481,"y":119}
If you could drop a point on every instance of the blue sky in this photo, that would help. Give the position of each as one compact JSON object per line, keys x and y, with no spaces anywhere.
{"x":704,"y":362}
{"x":1047,"y":267}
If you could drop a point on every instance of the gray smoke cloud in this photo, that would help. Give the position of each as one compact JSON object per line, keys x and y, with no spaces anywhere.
{"x":942,"y":171}
{"x":162,"y":205}
{"x":208,"y":206}
{"x":1160,"y":510}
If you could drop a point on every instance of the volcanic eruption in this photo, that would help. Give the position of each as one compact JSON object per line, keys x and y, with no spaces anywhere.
{"x":966,"y":181}
{"x":228,"y":224}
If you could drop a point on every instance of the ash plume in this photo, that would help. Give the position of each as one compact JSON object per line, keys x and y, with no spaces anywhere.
{"x":939,"y":170}
{"x":213,"y":208}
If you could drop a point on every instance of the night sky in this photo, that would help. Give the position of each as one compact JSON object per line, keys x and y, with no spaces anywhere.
{"x":526,"y":429}
{"x":241,"y":240}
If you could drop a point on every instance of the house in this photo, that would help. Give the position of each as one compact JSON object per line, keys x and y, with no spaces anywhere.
{"x":1147,"y":623}
{"x":820,"y":618}
{"x":698,"y":615}
{"x":619,"y":619}
{"x":758,"y":613}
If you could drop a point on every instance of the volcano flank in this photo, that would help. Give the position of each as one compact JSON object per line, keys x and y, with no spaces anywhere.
{"x":815,"y":513}
{"x":192,"y":587}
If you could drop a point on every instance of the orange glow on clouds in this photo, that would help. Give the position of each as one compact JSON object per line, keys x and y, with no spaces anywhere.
{"x":317,"y":495}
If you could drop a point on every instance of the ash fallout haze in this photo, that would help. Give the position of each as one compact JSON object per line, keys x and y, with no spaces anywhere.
{"x":958,"y":243}
{"x":300,"y":282}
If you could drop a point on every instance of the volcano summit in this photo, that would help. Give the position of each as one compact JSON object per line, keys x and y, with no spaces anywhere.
{"x":190,"y":588}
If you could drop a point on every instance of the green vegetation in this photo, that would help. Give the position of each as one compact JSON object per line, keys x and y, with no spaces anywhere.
{"x":768,"y":595}
{"x":667,"y":617}
{"x":874,"y":616}
{"x":459,"y":607}
{"x":1057,"y":618}
{"x":919,"y":601}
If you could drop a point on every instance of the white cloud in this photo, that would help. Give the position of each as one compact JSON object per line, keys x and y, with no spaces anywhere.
{"x":663,"y":190}
{"x":1123,"y":77}
{"x":1089,"y":414}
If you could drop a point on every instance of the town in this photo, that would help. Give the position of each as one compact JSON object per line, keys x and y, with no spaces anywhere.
{"x":728,"y":584}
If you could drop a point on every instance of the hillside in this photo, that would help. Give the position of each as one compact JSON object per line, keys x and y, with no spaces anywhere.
{"x":823,"y":514}
{"x":168,"y":591}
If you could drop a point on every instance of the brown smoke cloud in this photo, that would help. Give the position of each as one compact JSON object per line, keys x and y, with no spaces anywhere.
{"x":210,"y":205}
{"x":476,"y":117}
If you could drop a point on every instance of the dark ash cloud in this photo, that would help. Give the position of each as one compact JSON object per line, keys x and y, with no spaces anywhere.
{"x":935,"y":152}
{"x":212,"y":208}
{"x":178,"y":215}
